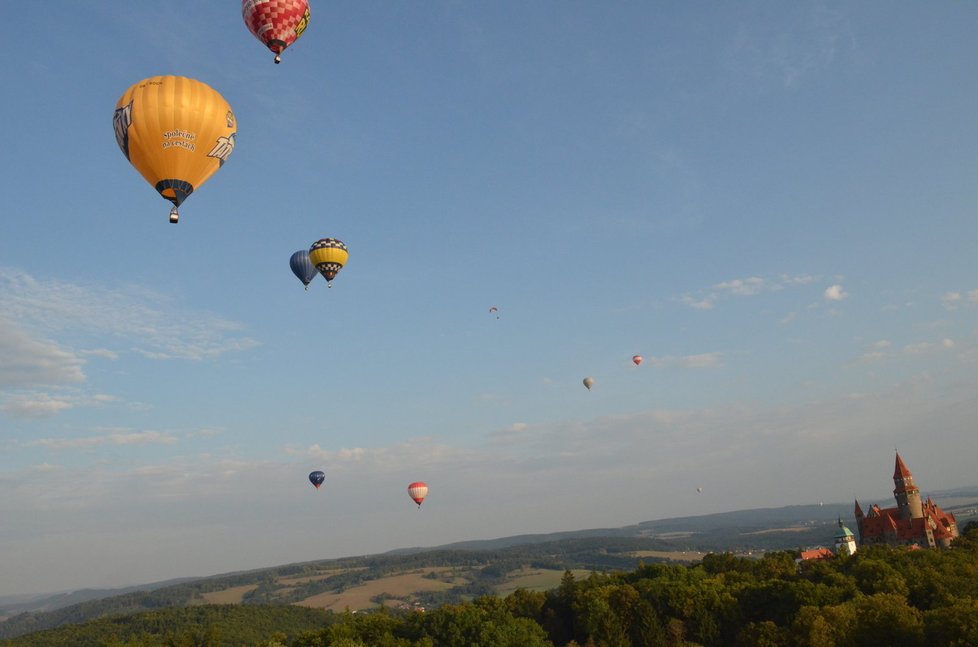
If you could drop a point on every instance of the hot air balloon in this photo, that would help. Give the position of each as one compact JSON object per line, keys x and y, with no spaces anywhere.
{"x":317,"y":478}
{"x":589,"y":382}
{"x":276,"y":23}
{"x":494,"y":309}
{"x":302,"y":267}
{"x":418,"y":491}
{"x":176,"y":132}
{"x":699,"y":490}
{"x":636,"y":359}
{"x":328,"y":255}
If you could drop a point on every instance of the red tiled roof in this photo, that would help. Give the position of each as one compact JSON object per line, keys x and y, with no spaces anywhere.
{"x":817,"y":553}
{"x":901,"y":471}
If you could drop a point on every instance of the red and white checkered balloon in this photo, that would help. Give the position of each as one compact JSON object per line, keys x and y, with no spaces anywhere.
{"x":276,"y":23}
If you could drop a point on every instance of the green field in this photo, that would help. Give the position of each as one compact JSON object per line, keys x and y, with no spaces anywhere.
{"x":536,"y":579}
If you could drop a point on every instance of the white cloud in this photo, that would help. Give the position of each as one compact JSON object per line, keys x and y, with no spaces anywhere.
{"x":152,"y":324}
{"x":916,"y":349}
{"x":103,"y":353}
{"x":743,"y":287}
{"x":705,"y":303}
{"x":29,"y":361}
{"x":798,"y":279}
{"x":835,"y":293}
{"x":947,"y":343}
{"x":119,"y":438}
{"x":950,"y":300}
{"x":37,"y":405}
{"x":792,"y":50}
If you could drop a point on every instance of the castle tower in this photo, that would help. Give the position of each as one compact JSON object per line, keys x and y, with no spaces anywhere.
{"x":859,"y":520}
{"x":906,"y":493}
{"x":845,"y":541}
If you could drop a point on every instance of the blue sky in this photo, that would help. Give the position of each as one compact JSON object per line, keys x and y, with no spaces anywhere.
{"x":773,"y":203}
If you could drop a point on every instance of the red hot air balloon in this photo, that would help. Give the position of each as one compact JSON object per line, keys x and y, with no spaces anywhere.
{"x":418,"y":491}
{"x":276,"y":23}
{"x":636,"y":359}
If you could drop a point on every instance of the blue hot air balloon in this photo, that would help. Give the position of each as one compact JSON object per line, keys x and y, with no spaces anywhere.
{"x":302,"y":267}
{"x":317,"y":478}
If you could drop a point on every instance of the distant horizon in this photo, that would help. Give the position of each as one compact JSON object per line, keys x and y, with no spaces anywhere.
{"x":13,"y":598}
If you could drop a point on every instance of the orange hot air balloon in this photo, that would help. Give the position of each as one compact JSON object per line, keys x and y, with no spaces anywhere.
{"x":176,"y":132}
{"x":636,"y":359}
{"x":418,"y":491}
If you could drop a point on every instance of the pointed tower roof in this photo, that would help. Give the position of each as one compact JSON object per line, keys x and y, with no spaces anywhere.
{"x":901,"y":471}
{"x":843,"y":531}
{"x":859,"y":511}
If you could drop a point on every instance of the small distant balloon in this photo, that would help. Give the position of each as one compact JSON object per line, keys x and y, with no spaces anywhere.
{"x":302,"y":267}
{"x":494,"y":310}
{"x":699,"y":489}
{"x":589,"y":382}
{"x":317,"y":478}
{"x":636,"y":360}
{"x":418,"y":491}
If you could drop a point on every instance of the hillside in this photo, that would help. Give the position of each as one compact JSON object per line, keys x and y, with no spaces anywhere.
{"x":456,"y":572}
{"x":879,"y":596}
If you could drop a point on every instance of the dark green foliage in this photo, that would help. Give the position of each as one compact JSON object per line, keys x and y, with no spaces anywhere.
{"x":198,"y":626}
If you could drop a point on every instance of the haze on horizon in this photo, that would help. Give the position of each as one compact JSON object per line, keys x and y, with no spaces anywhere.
{"x":773,"y":204}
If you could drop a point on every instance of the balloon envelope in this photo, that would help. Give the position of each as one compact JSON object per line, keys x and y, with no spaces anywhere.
{"x":328,"y":255}
{"x":637,"y":359}
{"x":177,"y":132}
{"x":317,"y":478}
{"x":302,"y":267}
{"x":589,"y":382}
{"x":276,"y":23}
{"x":418,"y":491}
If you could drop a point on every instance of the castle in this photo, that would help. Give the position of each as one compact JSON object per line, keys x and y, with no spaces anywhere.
{"x":911,"y":523}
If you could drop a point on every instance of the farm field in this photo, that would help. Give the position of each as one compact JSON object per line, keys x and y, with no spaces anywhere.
{"x":233,"y":595}
{"x":401,"y":587}
{"x":536,"y":579}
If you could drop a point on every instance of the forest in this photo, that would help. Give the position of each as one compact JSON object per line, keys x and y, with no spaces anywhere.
{"x":879,"y":596}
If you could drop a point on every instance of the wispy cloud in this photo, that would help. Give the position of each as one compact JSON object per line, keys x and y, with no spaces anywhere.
{"x":418,"y":452}
{"x":38,"y":405}
{"x":120,"y":438}
{"x":148,"y":323}
{"x":953,"y":300}
{"x":743,"y":287}
{"x":789,"y":52}
{"x":704,"y":303}
{"x":27,"y":361}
